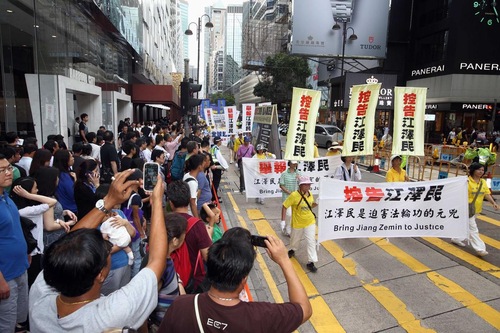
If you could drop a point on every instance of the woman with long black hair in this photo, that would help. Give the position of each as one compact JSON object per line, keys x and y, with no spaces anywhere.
{"x":87,"y":182}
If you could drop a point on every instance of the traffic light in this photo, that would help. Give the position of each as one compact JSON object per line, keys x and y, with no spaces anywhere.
{"x":187,"y":100}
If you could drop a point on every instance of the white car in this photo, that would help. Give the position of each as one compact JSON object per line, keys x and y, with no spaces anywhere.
{"x":326,"y":134}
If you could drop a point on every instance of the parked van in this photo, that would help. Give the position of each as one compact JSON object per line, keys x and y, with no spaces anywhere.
{"x":326,"y":134}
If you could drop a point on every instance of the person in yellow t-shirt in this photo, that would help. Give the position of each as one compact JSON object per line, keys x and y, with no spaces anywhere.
{"x":316,"y":152}
{"x":476,"y":172}
{"x":303,"y":221}
{"x":334,"y":149}
{"x":396,"y":173}
{"x":237,"y":143}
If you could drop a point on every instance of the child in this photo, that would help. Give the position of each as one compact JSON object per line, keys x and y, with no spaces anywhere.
{"x":118,"y":236}
{"x":210,"y":214}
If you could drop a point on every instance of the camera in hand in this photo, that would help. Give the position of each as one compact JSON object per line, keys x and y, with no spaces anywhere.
{"x":258,"y":240}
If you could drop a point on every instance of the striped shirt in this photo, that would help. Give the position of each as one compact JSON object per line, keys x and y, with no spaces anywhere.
{"x":289,"y":181}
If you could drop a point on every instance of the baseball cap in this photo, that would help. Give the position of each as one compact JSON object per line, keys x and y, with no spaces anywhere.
{"x":294,"y":162}
{"x":247,"y":139}
{"x":304,"y":180}
{"x":217,"y":139}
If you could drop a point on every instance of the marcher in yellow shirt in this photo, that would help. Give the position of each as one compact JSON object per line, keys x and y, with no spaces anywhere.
{"x":316,"y":152}
{"x":396,"y":173}
{"x":476,"y":185}
{"x":303,"y":221}
{"x":334,"y":149}
{"x":237,"y":143}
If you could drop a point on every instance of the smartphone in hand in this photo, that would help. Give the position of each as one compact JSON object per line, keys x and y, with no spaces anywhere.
{"x":150,"y":173}
{"x":258,"y":240}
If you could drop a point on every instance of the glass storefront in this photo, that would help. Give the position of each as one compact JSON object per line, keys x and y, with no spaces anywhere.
{"x":44,"y":40}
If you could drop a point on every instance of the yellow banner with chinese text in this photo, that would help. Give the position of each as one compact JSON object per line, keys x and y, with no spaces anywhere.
{"x":360,"y":124}
{"x":303,"y":114}
{"x":409,"y":121}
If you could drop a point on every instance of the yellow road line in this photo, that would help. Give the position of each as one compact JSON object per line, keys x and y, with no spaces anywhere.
{"x":322,"y":319}
{"x":451,"y":288}
{"x":402,"y":256}
{"x":255,"y":214}
{"x":233,"y":203}
{"x":489,"y":220}
{"x":465,"y":256}
{"x":470,"y":301}
{"x":348,"y":264}
{"x":396,"y":308}
{"x":269,"y":279}
{"x":491,"y":242}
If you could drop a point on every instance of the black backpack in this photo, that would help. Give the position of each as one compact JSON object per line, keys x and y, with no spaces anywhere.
{"x":27,"y":225}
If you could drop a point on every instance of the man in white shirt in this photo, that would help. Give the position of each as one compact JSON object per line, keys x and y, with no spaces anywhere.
{"x":29,"y":150}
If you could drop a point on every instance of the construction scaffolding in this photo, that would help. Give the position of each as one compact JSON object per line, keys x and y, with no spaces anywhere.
{"x":262,"y":39}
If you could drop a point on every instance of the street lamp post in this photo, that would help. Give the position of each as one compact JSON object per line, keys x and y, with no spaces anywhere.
{"x":352,"y":37}
{"x":198,"y":32}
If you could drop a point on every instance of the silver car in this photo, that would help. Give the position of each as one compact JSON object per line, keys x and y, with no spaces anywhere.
{"x":326,"y":134}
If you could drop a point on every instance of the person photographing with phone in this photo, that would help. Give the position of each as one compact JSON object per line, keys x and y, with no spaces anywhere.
{"x":348,"y":170}
{"x":229,"y":263}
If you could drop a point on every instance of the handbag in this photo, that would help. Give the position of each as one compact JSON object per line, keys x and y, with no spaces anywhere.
{"x":472,"y":206}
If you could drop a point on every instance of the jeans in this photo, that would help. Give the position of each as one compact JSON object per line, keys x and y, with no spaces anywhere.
{"x":14,"y":309}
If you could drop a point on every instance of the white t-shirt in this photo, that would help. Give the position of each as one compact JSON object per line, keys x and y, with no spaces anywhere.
{"x":129,"y":306}
{"x":193,"y":188}
{"x":35,"y":214}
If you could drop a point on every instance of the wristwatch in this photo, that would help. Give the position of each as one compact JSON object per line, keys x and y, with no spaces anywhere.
{"x":100,"y":205}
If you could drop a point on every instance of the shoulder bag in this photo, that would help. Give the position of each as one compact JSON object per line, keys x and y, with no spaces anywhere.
{"x":472,"y":206}
{"x":307,"y":203}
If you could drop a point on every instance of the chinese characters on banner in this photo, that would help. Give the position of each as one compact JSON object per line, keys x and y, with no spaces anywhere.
{"x":262,"y":177}
{"x":409,"y":121}
{"x":303,"y":114}
{"x":360,"y":124}
{"x":231,"y":115}
{"x":208,"y":116}
{"x":247,"y":117}
{"x":436,"y":208}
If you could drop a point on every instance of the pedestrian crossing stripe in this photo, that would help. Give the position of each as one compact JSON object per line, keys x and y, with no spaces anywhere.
{"x":490,"y":241}
{"x":451,"y":288}
{"x":465,"y":256}
{"x":322,"y":319}
{"x":488,"y":219}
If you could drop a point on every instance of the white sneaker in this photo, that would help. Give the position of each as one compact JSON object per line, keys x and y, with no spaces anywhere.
{"x":482,"y":253}
{"x":458,"y":242}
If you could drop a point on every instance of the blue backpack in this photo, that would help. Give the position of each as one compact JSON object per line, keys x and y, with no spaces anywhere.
{"x":177,"y":168}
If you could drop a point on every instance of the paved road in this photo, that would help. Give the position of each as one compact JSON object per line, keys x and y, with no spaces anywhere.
{"x":379,"y":285}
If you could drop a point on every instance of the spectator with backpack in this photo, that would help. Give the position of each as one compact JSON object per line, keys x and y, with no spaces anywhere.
{"x":177,"y":167}
{"x":14,"y":258}
{"x":194,"y":166}
{"x":190,"y":257}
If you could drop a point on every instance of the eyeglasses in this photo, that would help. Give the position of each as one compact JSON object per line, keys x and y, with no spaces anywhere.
{"x":10,"y":168}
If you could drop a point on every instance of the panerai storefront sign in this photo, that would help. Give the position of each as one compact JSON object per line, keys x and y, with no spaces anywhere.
{"x":79,"y":76}
{"x":386,"y":95}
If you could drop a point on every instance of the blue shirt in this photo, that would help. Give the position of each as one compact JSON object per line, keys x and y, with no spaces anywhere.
{"x":64,"y":192}
{"x":204,"y":186}
{"x":13,"y":249}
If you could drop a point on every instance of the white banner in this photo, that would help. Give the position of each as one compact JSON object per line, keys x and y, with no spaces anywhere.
{"x":208,"y":116}
{"x":262,"y":176}
{"x":303,"y":114}
{"x":231,"y":115}
{"x":360,"y":124}
{"x":247,"y":117}
{"x":219,"y":121}
{"x":436,"y":208}
{"x":409,"y":121}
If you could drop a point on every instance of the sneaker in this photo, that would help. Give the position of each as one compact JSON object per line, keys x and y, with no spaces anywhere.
{"x":291,"y":253}
{"x":310,"y":266}
{"x":482,"y":253}
{"x":458,"y":242}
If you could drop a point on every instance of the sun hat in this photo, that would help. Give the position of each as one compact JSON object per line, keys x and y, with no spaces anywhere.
{"x":304,"y":180}
{"x":396,"y":156}
{"x":335,"y":145}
